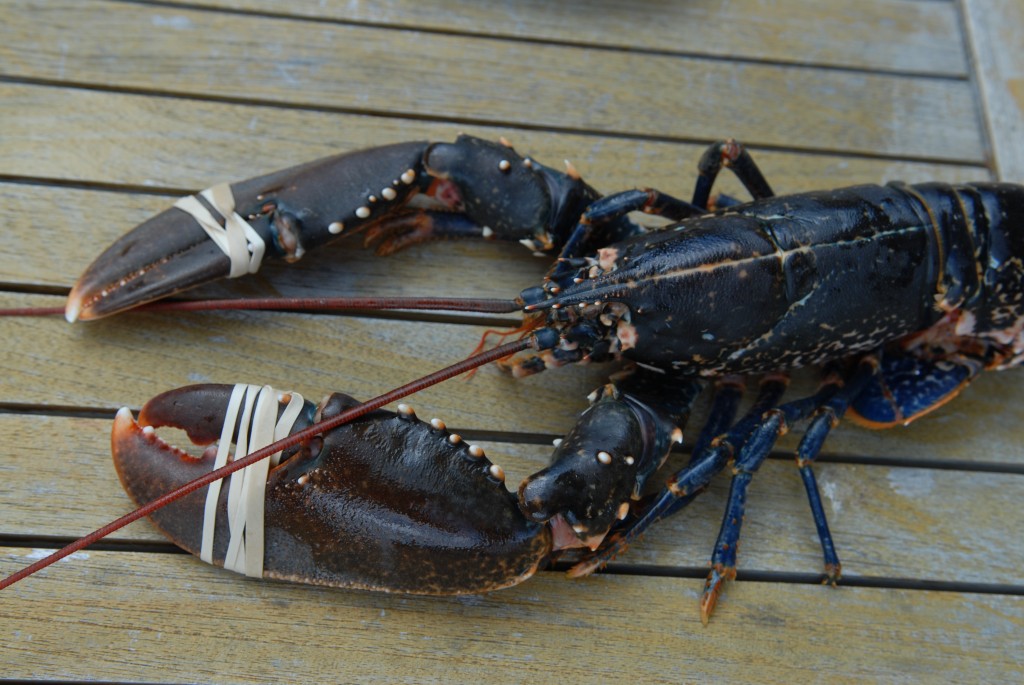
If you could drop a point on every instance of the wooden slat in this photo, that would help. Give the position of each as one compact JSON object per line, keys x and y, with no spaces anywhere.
{"x":298,"y":63}
{"x":366,"y":356}
{"x":171,"y":143}
{"x":144,"y":354}
{"x":997,"y":44}
{"x":873,"y":34}
{"x":907,"y":523}
{"x":126,"y":616}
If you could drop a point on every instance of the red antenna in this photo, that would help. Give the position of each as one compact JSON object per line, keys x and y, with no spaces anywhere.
{"x":452,"y":304}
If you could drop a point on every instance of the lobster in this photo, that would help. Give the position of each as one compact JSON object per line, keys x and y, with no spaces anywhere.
{"x":717,"y":295}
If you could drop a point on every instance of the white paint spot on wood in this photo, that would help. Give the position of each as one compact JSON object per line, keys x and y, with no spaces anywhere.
{"x":177,"y":22}
{"x":911,"y":482}
{"x":830,"y":493}
{"x":37,"y":554}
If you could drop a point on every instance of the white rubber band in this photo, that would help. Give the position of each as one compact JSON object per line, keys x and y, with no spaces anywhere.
{"x":236,"y":238}
{"x":247,"y":488}
{"x":213,"y":491}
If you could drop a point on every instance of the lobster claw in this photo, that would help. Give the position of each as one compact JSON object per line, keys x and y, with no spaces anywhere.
{"x":386,"y":502}
{"x":469,"y":188}
{"x":226,"y":230}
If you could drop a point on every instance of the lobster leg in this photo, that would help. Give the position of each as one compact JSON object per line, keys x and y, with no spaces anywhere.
{"x":750,"y":456}
{"x":605,"y":222}
{"x":826,"y":407}
{"x":728,"y":394}
{"x":405,"y":230}
{"x":734,"y":156}
{"x":825,"y":418}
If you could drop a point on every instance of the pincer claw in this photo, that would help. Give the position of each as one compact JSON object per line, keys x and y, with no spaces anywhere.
{"x":226,"y":230}
{"x":386,"y":502}
{"x":404,"y":194}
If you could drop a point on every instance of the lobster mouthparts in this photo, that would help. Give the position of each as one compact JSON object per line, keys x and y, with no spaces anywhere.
{"x":387,"y":502}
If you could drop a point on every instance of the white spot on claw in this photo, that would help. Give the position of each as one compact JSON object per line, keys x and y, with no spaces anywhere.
{"x":604,"y":457}
{"x":363,"y":212}
{"x":336,"y":227}
{"x":409,"y":176}
{"x":388,"y":193}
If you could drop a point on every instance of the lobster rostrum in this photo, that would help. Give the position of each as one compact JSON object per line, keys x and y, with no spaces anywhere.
{"x":716,"y":296}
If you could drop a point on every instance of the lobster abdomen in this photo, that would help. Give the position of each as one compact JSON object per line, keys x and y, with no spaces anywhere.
{"x":982,"y":289}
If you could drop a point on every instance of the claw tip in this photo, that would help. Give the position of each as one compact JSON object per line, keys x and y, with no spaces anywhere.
{"x":72,"y":310}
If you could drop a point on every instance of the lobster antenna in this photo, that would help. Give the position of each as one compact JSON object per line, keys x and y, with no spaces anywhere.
{"x":434,"y":378}
{"x":452,"y":304}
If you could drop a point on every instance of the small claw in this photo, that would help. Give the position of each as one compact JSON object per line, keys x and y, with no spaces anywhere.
{"x":713,"y":590}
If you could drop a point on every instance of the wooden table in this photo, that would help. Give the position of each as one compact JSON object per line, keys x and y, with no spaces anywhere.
{"x":110,"y":109}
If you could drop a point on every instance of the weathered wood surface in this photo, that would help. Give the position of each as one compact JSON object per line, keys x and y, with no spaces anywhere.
{"x":488,"y":81}
{"x":998,"y":43}
{"x":110,"y":109}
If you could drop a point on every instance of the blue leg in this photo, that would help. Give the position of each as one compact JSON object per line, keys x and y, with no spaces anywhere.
{"x":824,"y":419}
{"x":773,"y":424}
